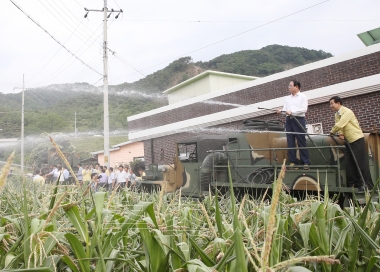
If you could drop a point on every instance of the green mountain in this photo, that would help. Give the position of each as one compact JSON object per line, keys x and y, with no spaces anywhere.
{"x":52,"y":108}
{"x":266,"y":61}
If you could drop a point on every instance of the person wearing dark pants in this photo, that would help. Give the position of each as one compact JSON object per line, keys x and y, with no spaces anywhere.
{"x":292,"y":125}
{"x":295,"y":108}
{"x":348,"y":128}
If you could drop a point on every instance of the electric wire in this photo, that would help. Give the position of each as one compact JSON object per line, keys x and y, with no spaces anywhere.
{"x":247,"y":21}
{"x":74,"y":16}
{"x":117,"y":56}
{"x":238,"y":34}
{"x":80,"y":74}
{"x":127,"y":66}
{"x":67,"y":24}
{"x":61,"y":67}
{"x":83,"y":70}
{"x":230,"y":37}
{"x":68,"y":50}
{"x":95,"y":61}
{"x":78,"y":3}
{"x":54,"y":54}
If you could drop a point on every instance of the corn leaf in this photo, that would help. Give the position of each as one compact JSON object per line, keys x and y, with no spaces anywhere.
{"x":79,"y":252}
{"x":156,"y":258}
{"x":353,"y":253}
{"x":39,"y":269}
{"x":321,"y":225}
{"x":218,"y":216}
{"x":67,"y":260}
{"x":138,"y":210}
{"x":110,"y":263}
{"x":205,"y":258}
{"x":305,"y":231}
{"x":364,"y":234}
{"x":237,"y":237}
{"x":77,"y":221}
{"x":50,"y":242}
{"x":176,"y":261}
{"x":197,"y":266}
{"x":220,"y":265}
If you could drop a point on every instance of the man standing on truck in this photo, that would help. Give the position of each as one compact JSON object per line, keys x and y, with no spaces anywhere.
{"x":295,"y":108}
{"x":349,"y":129}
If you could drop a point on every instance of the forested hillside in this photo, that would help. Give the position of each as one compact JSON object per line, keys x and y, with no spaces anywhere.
{"x":52,"y":108}
{"x":266,"y":61}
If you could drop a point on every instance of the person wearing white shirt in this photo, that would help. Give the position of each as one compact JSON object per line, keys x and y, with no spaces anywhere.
{"x":53,"y":175}
{"x":60,"y":175}
{"x":111,"y":179}
{"x":295,"y":108}
{"x":122,"y":177}
{"x":66,"y":175}
{"x":80,"y":174}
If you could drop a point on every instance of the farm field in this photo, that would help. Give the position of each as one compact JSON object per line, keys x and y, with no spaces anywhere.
{"x":70,"y":228}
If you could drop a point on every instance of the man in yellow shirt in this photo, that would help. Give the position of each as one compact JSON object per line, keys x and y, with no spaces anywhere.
{"x":349,"y":129}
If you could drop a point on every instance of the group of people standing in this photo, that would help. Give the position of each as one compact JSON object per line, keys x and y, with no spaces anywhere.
{"x":99,"y":176}
{"x":56,"y":171}
{"x":346,"y":128}
{"x":102,"y":177}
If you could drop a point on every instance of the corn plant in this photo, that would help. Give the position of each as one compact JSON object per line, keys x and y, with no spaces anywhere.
{"x":54,"y":227}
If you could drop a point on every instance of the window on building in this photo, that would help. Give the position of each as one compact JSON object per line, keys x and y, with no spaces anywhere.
{"x":138,"y":159}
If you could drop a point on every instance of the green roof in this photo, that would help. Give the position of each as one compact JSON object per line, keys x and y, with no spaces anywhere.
{"x":370,"y":37}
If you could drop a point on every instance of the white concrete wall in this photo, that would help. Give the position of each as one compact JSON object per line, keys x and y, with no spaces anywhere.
{"x":219,"y":82}
{"x":196,"y":88}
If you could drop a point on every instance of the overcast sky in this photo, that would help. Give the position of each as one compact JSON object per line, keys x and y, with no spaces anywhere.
{"x":152,"y":33}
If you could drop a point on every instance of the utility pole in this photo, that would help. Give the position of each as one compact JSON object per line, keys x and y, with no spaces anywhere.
{"x":105,"y":78}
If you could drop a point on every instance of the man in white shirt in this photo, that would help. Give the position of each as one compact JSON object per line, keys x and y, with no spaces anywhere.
{"x":66,"y":175}
{"x":111,"y":179}
{"x":122,"y":177}
{"x":53,"y":175}
{"x":295,"y":108}
{"x":80,"y":174}
{"x":60,"y":175}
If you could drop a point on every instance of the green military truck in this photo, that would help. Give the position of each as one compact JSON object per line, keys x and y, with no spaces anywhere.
{"x":255,"y":158}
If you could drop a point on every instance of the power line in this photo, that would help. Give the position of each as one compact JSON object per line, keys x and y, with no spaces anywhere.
{"x":82,"y":71}
{"x":68,"y":50}
{"x":241,"y":33}
{"x":233,"y":36}
{"x":125,"y":62}
{"x":61,"y":67}
{"x":246,"y":21}
{"x":78,"y":3}
{"x":54,"y":54}
{"x":66,"y":23}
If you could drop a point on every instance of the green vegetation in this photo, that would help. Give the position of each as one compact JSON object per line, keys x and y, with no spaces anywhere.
{"x":57,"y":115}
{"x":66,"y":228}
{"x":266,"y":61}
